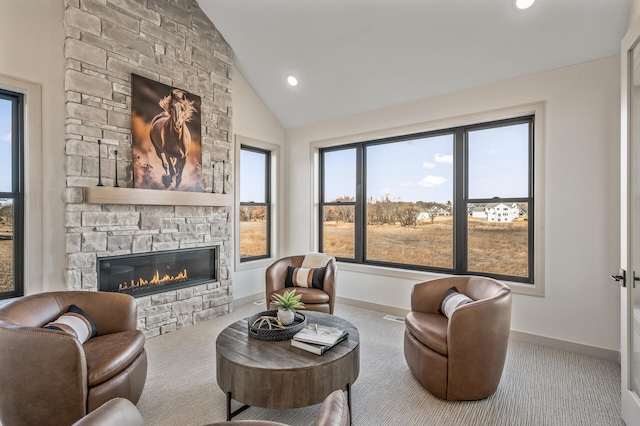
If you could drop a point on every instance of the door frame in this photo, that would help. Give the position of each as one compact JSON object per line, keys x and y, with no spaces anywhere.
{"x":629,"y":400}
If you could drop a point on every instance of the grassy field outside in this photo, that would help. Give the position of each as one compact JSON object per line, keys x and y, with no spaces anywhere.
{"x":494,"y":247}
{"x":253,"y":237}
{"x":6,"y":265}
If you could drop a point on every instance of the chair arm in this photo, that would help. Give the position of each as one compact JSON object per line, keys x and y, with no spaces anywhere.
{"x":41,"y":369}
{"x":329,"y":282}
{"x":477,"y":340}
{"x":480,"y":323}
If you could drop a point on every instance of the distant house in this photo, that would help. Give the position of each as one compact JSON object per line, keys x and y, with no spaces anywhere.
{"x":426,"y":215}
{"x":497,"y":212}
{"x":479,"y":212}
{"x":501,"y":212}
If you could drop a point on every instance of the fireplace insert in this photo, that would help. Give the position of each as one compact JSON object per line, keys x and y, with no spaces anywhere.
{"x":142,"y":274}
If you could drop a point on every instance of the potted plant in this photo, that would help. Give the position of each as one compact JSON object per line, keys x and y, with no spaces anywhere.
{"x":287,"y":305}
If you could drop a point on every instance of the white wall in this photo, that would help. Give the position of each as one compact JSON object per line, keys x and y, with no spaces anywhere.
{"x":582,"y":195}
{"x":32,"y":49}
{"x":634,"y":11}
{"x":252,"y":119}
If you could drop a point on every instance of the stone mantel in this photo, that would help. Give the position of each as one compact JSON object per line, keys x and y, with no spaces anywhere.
{"x":137,"y":196}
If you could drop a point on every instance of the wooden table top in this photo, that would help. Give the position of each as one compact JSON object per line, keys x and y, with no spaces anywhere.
{"x":273,"y":374}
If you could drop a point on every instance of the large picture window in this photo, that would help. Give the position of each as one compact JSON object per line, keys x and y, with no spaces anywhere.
{"x":457,"y":200}
{"x":11,"y":194}
{"x":255,"y":203}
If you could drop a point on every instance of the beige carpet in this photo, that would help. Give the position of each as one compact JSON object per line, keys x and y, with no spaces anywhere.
{"x":540,"y":386}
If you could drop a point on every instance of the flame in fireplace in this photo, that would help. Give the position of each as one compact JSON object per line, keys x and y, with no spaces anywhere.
{"x":156,"y":280}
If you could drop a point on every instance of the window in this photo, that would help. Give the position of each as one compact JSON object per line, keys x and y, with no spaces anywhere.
{"x":255,"y":203}
{"x":11,"y":194}
{"x":458,"y":200}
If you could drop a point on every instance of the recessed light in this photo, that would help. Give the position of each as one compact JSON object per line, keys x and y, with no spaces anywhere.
{"x":524,"y":4}
{"x":292,"y":80}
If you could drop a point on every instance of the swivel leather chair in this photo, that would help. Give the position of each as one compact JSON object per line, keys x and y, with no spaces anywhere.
{"x":48,"y":377}
{"x":461,"y":357}
{"x":314,"y":299}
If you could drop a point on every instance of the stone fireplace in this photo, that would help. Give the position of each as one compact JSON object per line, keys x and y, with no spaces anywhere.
{"x":172,"y":42}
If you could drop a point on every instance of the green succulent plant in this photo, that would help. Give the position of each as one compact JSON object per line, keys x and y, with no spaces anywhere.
{"x":288,"y":301}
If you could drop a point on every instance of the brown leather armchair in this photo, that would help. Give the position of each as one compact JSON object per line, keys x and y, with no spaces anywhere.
{"x":48,"y":377}
{"x":459,"y":358}
{"x":334,"y":411}
{"x":314,"y":299}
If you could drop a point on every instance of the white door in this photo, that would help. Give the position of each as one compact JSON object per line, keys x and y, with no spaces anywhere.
{"x":630,"y":232}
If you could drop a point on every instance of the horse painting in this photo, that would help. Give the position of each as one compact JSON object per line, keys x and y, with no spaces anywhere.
{"x":170,"y":135}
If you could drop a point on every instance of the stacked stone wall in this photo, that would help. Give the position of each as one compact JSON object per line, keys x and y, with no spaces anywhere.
{"x":172,"y":42}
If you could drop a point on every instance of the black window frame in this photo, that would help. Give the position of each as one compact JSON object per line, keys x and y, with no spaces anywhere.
{"x":460,"y":202}
{"x":17,"y":190}
{"x":266,"y":203}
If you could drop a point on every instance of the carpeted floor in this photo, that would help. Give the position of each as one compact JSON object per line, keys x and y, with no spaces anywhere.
{"x":540,"y":386}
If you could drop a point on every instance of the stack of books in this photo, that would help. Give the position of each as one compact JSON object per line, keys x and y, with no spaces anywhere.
{"x":317,"y":338}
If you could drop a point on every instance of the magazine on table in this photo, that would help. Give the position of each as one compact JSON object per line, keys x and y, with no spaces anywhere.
{"x":316,"y":349}
{"x":320,"y":334}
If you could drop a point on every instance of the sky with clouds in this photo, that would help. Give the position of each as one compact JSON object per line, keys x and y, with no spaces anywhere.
{"x":422,"y":169}
{"x":418,"y":169}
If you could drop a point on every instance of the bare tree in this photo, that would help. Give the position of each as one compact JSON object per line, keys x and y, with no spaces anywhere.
{"x":407,"y":214}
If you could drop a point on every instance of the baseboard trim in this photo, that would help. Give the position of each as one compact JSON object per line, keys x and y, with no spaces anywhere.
{"x":534,"y":339}
{"x":564,"y":345}
{"x":398,"y":312}
{"x":549,"y":342}
{"x":248,"y":299}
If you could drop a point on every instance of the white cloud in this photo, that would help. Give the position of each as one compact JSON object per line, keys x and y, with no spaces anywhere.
{"x":430,"y":181}
{"x":6,"y":138}
{"x":428,"y":165}
{"x":444,"y":159}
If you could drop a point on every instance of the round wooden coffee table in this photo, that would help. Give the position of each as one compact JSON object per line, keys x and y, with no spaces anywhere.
{"x":276,"y":375}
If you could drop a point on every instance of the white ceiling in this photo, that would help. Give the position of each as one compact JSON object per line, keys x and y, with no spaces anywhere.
{"x":352,"y":56}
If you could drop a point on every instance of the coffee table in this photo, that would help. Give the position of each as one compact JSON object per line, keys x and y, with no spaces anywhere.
{"x":272,"y":374}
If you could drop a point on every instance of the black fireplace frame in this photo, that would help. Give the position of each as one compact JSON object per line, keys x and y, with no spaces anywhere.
{"x":214,"y":253}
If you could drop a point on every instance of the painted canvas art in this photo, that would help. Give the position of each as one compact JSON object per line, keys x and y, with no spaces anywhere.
{"x":166,"y":137}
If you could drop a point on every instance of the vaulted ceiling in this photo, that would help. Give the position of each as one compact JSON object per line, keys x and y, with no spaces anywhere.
{"x":351,"y":56}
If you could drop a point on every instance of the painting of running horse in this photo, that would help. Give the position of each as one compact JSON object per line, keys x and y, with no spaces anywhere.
{"x":166,"y":137}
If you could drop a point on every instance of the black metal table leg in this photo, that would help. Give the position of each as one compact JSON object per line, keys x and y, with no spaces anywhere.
{"x":231,"y":414}
{"x":349,"y":402}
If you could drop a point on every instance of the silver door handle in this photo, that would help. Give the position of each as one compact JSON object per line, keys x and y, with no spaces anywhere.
{"x":622,"y":276}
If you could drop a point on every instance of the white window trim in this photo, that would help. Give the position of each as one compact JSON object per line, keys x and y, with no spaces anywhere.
{"x":537,"y":109}
{"x":32,"y":178}
{"x":276,"y":190}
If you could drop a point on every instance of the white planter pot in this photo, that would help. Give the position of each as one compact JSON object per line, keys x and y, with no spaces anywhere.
{"x":285,"y":316}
